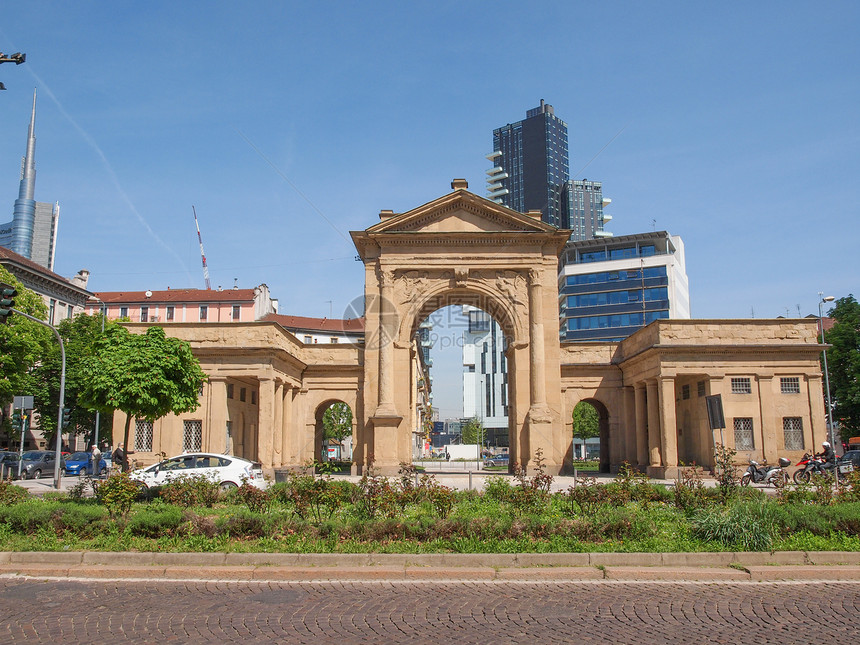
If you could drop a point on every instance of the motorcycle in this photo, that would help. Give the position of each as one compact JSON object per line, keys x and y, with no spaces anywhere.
{"x":811,"y":465}
{"x":758,"y":473}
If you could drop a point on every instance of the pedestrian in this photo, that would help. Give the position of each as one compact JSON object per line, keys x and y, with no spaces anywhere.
{"x":96,"y":459}
{"x":120,"y":457}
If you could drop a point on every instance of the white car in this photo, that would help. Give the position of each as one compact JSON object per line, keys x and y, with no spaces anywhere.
{"x":228,"y":471}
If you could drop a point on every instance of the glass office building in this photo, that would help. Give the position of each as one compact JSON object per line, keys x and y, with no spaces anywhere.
{"x":530,"y":164}
{"x":609,"y":288}
{"x":582,"y":204}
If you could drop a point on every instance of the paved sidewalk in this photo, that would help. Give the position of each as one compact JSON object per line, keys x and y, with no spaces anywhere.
{"x":564,"y":567}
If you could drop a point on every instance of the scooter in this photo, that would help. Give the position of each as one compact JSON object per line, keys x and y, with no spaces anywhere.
{"x":758,"y":473}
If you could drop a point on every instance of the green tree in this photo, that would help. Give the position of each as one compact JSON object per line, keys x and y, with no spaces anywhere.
{"x":843,"y":363}
{"x":145,"y":375}
{"x":80,"y":335}
{"x":337,"y":421}
{"x":473,"y":432}
{"x":23,"y":343}
{"x":586,"y":421}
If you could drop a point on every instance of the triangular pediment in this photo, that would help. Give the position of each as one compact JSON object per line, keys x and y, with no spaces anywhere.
{"x":460,"y":212}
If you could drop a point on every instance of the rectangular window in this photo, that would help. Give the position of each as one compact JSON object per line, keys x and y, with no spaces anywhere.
{"x":236,"y":312}
{"x":192,"y":437}
{"x":744,"y":433}
{"x":308,"y":340}
{"x":700,"y":388}
{"x":204,"y":312}
{"x":123,"y":312}
{"x":144,"y":314}
{"x":52,"y":307}
{"x":790,"y":385}
{"x":741,"y":385}
{"x":242,"y":394}
{"x":253,"y":397}
{"x":792,"y":430}
{"x":168,"y":316}
{"x":142,"y":436}
{"x":333,"y":340}
{"x":70,"y":310}
{"x":685,"y":392}
{"x":229,"y":390}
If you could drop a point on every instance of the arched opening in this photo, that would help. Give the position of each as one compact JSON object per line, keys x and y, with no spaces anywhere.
{"x":590,"y":423}
{"x":333,"y":433}
{"x":463,"y":350}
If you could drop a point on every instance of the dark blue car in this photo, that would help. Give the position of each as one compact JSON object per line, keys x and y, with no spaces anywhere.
{"x":81,"y":463}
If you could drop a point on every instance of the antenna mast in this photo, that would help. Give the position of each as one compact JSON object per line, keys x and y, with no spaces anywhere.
{"x":202,"y":254}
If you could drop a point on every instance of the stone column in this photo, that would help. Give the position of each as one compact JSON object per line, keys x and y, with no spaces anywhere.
{"x":653,"y":400}
{"x":278,"y":425}
{"x":218,"y":414}
{"x":641,"y":426}
{"x":537,"y":380}
{"x":265,"y":423}
{"x":668,"y":424}
{"x":287,"y":426}
{"x":817,"y":432}
{"x":769,"y":448}
{"x":387,"y":332}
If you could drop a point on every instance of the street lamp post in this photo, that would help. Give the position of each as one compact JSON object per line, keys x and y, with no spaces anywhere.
{"x":821,"y":300}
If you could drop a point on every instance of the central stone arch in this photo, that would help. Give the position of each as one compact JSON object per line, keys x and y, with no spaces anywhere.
{"x":461,"y":249}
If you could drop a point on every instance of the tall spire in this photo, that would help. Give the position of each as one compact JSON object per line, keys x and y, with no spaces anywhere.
{"x":24,"y":215}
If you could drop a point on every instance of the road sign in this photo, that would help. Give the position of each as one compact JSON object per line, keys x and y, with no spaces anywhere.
{"x":23,"y":402}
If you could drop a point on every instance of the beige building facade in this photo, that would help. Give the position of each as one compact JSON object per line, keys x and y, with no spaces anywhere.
{"x":267,"y":390}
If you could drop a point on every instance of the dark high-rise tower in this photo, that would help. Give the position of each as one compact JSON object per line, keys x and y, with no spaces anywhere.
{"x":530,"y":164}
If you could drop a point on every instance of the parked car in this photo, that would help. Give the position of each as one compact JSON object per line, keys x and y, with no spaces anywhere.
{"x":496,"y":460}
{"x":8,"y":464}
{"x":81,"y":463}
{"x":228,"y":471}
{"x":851,"y":457}
{"x":37,"y":463}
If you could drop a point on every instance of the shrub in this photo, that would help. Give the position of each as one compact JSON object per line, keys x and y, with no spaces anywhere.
{"x":726,"y":471}
{"x":497,"y":489}
{"x":195,"y":490}
{"x":689,"y":491}
{"x":12,"y":494}
{"x":256,"y":499}
{"x":375,"y":496}
{"x":154,"y":521}
{"x":311,"y":497}
{"x":743,"y":526}
{"x":243,"y":524}
{"x":118,"y":492}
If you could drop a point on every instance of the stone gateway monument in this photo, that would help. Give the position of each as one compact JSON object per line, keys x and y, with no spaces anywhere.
{"x":461,"y":249}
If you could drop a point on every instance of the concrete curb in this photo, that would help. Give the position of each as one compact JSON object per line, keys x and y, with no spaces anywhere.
{"x":638,"y":567}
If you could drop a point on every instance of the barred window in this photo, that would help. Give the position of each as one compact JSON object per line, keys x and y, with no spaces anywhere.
{"x":790,"y":385}
{"x":685,"y":392}
{"x":744,"y":433}
{"x":142,"y":436}
{"x":700,"y":388}
{"x":192,"y":439}
{"x":792,"y":428}
{"x":741,"y":385}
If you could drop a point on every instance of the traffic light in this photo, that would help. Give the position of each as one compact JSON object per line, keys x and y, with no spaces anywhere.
{"x":7,"y":301}
{"x":67,"y":413}
{"x":16,"y":418}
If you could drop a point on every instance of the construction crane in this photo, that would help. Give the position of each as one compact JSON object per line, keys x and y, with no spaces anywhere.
{"x":202,"y":254}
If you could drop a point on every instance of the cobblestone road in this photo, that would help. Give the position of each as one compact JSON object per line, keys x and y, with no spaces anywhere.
{"x":54,"y":611}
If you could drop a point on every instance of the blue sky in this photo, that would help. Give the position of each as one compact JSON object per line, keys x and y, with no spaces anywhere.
{"x":289,"y":124}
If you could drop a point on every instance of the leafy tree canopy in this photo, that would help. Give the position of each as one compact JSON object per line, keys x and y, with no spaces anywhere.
{"x":843,"y":363}
{"x":474,"y":432}
{"x":80,"y":335}
{"x":586,"y":422}
{"x":337,"y":422}
{"x":23,"y":343}
{"x":145,"y":375}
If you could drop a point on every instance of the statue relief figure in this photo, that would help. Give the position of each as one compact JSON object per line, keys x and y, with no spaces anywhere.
{"x":510,"y":284}
{"x":414,"y":282}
